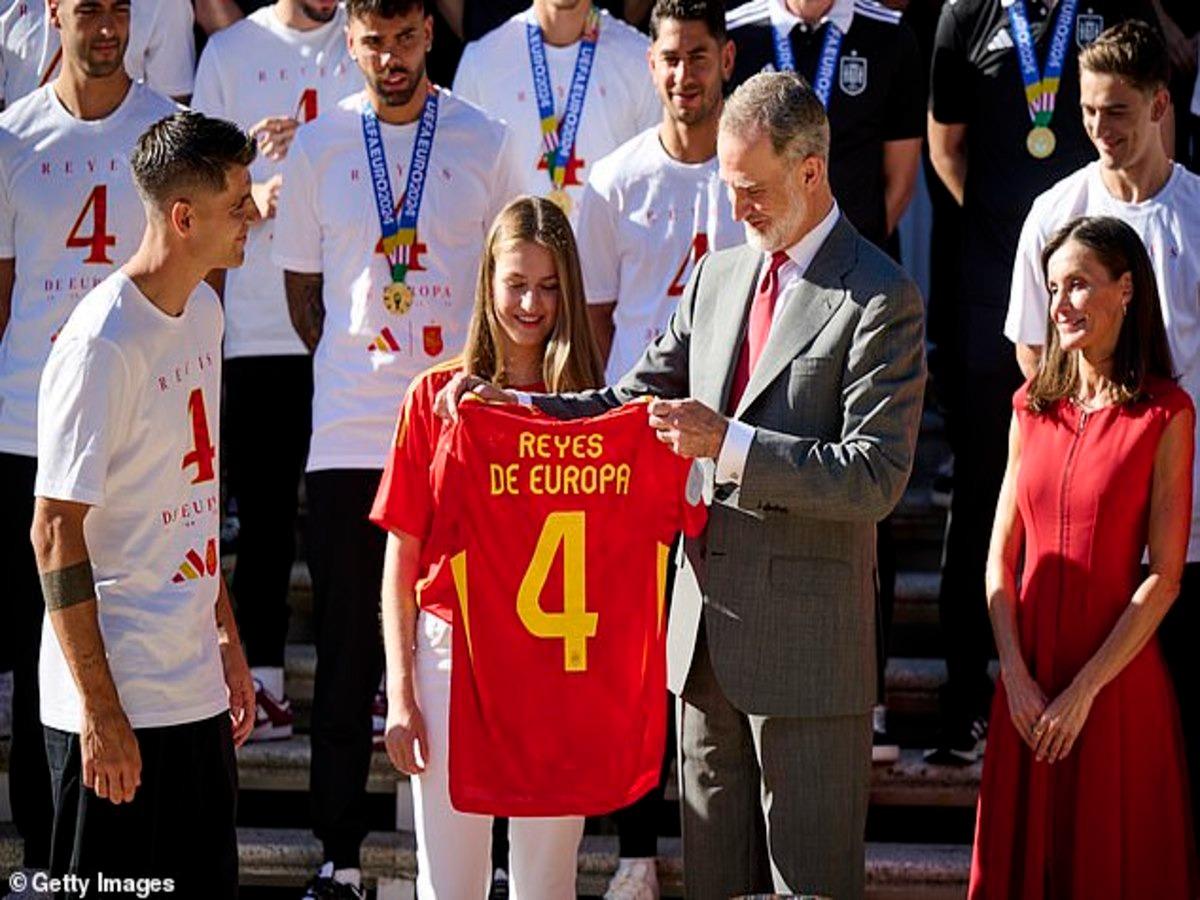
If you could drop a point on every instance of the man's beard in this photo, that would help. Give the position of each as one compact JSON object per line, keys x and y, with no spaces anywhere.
{"x":316,"y":14}
{"x":104,"y":68}
{"x":778,"y":233}
{"x":402,"y":96}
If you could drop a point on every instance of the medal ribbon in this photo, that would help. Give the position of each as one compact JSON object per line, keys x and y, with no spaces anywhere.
{"x":558,"y":136}
{"x":1041,"y":89}
{"x":399,"y":234}
{"x":785,"y":60}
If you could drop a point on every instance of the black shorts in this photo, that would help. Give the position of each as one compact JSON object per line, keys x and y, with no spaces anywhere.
{"x":179,"y":826}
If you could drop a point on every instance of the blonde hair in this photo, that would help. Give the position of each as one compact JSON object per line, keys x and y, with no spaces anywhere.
{"x":570,"y":360}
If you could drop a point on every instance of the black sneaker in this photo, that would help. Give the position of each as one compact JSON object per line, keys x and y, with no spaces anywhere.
{"x":941,"y":492}
{"x":960,"y":748}
{"x":499,"y":889}
{"x":323,"y":887}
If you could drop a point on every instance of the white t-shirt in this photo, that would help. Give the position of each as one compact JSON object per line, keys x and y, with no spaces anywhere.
{"x":620,"y":101}
{"x":129,"y":424}
{"x":292,"y":73}
{"x":645,"y":221}
{"x":1169,"y":225}
{"x":161,"y":51}
{"x":69,"y":215}
{"x":328,"y":223}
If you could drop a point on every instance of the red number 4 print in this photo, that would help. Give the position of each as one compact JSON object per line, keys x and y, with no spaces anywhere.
{"x":98,"y":242}
{"x":203,"y":452}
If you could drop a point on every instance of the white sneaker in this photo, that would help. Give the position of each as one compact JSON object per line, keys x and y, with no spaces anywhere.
{"x":635,"y":879}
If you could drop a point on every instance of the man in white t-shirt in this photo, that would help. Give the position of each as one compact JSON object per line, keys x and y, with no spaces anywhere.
{"x":1123,"y":95}
{"x":268,"y":73}
{"x":571,"y":82}
{"x":69,"y":214}
{"x":654,"y":206}
{"x":145,"y":690}
{"x":161,"y":49}
{"x":386,"y":200}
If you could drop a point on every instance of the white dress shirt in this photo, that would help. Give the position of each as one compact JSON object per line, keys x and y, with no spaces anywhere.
{"x":731,"y":462}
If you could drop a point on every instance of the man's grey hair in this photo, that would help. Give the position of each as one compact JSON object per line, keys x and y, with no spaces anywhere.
{"x":784,"y":107}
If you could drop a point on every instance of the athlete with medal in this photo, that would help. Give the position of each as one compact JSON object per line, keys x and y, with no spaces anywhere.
{"x":585,"y":73}
{"x":377,"y":305}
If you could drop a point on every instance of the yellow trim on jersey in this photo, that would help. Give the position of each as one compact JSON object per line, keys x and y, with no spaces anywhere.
{"x":664,"y":557}
{"x":458,"y":565}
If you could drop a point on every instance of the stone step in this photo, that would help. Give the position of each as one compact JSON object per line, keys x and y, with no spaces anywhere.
{"x":288,"y":856}
{"x":284,"y":765}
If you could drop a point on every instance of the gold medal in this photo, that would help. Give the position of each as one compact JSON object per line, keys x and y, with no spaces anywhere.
{"x":398,"y":298}
{"x":1040,"y":142}
{"x":560,"y":198}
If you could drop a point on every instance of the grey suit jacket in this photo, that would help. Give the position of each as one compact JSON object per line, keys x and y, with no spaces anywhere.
{"x":784,"y":576}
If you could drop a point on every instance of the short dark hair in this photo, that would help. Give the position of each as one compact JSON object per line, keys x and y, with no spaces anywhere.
{"x":1131,"y":50}
{"x":187,"y":150}
{"x":356,"y":9}
{"x":710,"y":12}
{"x":1142,"y":349}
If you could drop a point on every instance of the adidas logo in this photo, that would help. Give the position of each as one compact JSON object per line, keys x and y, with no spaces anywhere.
{"x":194,"y":567}
{"x":1001,"y":41}
{"x":384,"y":343}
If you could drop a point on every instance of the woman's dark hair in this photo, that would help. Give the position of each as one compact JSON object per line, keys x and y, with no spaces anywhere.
{"x":1142,"y":349}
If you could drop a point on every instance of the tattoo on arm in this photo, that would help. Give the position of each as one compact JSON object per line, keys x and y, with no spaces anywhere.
{"x":305,"y":305}
{"x":69,"y":586}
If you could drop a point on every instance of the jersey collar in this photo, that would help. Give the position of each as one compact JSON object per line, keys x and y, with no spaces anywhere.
{"x":840,"y":14}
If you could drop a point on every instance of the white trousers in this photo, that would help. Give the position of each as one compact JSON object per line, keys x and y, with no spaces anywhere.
{"x":454,"y":850}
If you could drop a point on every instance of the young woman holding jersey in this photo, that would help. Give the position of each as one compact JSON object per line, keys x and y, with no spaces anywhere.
{"x":529,"y":330}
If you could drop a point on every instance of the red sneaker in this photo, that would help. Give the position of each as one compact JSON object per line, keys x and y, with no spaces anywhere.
{"x":273,"y":718}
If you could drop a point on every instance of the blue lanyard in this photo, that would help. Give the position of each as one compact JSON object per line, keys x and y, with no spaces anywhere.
{"x":399,"y":234}
{"x":558,"y":138}
{"x":785,"y":60}
{"x":1041,"y":89}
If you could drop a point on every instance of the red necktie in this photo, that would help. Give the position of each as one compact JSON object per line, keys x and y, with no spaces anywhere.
{"x":762,"y":310}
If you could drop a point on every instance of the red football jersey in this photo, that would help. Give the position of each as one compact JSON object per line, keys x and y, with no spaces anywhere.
{"x":558,"y":535}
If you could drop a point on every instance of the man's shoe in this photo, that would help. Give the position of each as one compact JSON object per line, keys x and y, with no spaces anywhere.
{"x":379,"y":721}
{"x":961,"y":747}
{"x":322,"y":887}
{"x":941,"y":492}
{"x":273,"y":718}
{"x":883,"y":748}
{"x":635,"y":879}
{"x":499,"y":890}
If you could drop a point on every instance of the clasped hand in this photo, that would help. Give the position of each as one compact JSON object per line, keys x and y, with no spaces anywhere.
{"x":1050,"y":729}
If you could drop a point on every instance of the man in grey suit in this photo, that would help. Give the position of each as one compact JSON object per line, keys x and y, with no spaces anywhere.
{"x":794,"y":370}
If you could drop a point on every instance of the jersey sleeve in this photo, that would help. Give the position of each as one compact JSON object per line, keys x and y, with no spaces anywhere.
{"x":296,"y":245}
{"x":79,"y":418}
{"x":171,"y":49}
{"x":597,"y":237}
{"x":404,"y":501}
{"x":466,"y":82}
{"x":906,"y":103}
{"x":208,"y":94}
{"x":1025,"y":322}
{"x":950,"y":76}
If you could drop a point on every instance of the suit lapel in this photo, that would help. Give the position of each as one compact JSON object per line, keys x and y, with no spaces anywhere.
{"x":728,"y":324}
{"x":810,"y":306}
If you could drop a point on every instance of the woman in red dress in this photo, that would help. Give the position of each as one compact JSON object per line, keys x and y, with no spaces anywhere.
{"x":1084,"y":779}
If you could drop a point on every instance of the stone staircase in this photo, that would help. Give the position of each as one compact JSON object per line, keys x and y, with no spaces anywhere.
{"x":921,"y":816}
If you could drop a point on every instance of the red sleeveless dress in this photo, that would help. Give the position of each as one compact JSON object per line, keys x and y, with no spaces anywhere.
{"x":1112,"y":819}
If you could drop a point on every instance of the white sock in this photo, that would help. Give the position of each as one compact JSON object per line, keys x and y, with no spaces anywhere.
{"x":348,"y":876}
{"x":271,"y":678}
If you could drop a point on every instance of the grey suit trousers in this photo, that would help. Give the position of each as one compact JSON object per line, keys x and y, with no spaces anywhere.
{"x":769,"y":803}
